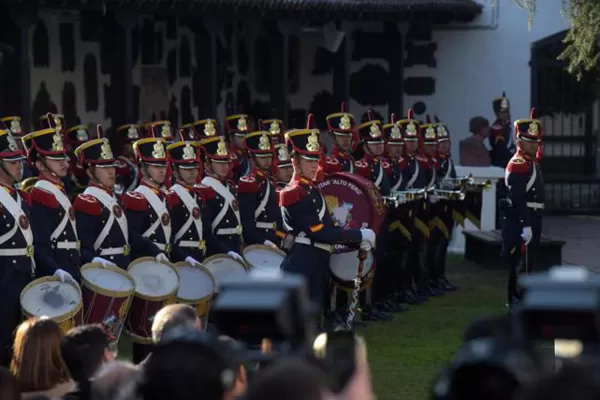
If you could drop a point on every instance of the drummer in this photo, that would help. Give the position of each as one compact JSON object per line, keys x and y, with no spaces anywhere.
{"x":191,"y":226}
{"x":342,"y":127}
{"x":57,"y":249}
{"x":219,"y":194}
{"x":259,"y":211}
{"x":16,"y":250}
{"x":101,"y":223}
{"x":283,"y":165}
{"x":306,"y":218}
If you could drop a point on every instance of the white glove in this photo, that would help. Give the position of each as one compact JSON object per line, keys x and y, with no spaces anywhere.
{"x":271,"y":244}
{"x":365,"y":246}
{"x":103,"y":262}
{"x":368,"y":236}
{"x":161,"y":257}
{"x":191,"y":261}
{"x":64,"y":276}
{"x":527,"y":234}
{"x":432,"y":198}
{"x":235,"y":256}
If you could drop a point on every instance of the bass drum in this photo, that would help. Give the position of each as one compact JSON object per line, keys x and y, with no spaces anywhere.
{"x":353,"y":203}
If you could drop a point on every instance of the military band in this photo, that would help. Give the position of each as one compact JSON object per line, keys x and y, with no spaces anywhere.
{"x":209,"y":191}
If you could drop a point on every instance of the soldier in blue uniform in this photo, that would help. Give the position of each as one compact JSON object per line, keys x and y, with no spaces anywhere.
{"x":219,"y":194}
{"x":501,"y":138}
{"x":57,"y":247}
{"x":259,"y":208}
{"x":147,"y":210}
{"x":191,"y":226}
{"x":101,"y":223}
{"x":127,"y":169}
{"x":415,"y":177}
{"x":442,"y":222}
{"x":372,"y":165}
{"x":283,"y":166}
{"x":342,"y":127}
{"x":16,"y":249}
{"x":306,"y":218}
{"x":236,"y":128}
{"x":522,"y":223}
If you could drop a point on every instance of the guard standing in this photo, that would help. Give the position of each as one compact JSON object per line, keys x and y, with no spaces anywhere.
{"x":414,"y":176}
{"x":522,"y":223}
{"x":57,"y":248}
{"x":259,"y":209}
{"x":219,"y":194}
{"x":283,"y":164}
{"x":127,"y":170}
{"x":443,"y":222}
{"x":191,"y":225}
{"x":101,"y":223}
{"x":236,"y":128}
{"x":342,"y":127}
{"x":306,"y":218}
{"x":501,"y":138}
{"x":16,"y":242}
{"x":147,"y":211}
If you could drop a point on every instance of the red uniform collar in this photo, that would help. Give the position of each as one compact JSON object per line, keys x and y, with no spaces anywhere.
{"x":94,"y":184}
{"x":297,"y":179}
{"x":258,"y":172}
{"x":53,"y":181}
{"x":154,"y":188}
{"x":337,"y":153}
{"x":185,"y":185}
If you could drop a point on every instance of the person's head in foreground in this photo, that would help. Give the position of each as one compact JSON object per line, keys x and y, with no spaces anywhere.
{"x":191,"y":365}
{"x":289,"y":379}
{"x":571,"y":383}
{"x":116,"y":380}
{"x":174,"y":316}
{"x":85,"y":349}
{"x":37,"y":361}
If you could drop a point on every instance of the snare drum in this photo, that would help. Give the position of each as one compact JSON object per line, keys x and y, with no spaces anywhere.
{"x":222,"y":266}
{"x":344,"y":267}
{"x":263,"y":258}
{"x":107,"y":293}
{"x":197,"y":286}
{"x":49,"y":297}
{"x":156,"y":286}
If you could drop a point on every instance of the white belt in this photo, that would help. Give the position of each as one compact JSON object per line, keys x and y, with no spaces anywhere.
{"x":307,"y":241}
{"x":68,"y":245}
{"x":163,"y":247}
{"x":115,"y":251}
{"x":536,"y":206}
{"x":266,"y":225}
{"x":27,"y":251}
{"x":199,"y":244}
{"x":230,"y":231}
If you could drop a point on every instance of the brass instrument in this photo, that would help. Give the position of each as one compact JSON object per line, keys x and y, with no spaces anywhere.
{"x":27,"y":184}
{"x":405,"y":196}
{"x":464,"y":183}
{"x":445,"y":194}
{"x":473,"y":186}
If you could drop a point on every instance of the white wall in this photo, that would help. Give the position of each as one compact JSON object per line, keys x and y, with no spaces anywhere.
{"x":475,"y":66}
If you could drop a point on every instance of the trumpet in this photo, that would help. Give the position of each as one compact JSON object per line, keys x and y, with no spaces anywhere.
{"x":474,"y":186}
{"x":449,"y":194}
{"x":405,"y":196}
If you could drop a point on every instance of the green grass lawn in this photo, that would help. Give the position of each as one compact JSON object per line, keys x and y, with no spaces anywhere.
{"x":406,"y":353}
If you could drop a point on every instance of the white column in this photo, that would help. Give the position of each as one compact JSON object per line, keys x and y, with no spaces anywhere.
{"x":488,"y":210}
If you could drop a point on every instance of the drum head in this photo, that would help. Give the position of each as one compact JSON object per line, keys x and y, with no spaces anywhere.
{"x":50,"y":298}
{"x":153,"y":279}
{"x":344,"y":266}
{"x":109,"y":279}
{"x":196,"y":283}
{"x":263,"y":258}
{"x":222,"y":266}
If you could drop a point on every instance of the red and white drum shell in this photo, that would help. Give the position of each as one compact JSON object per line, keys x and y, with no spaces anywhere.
{"x":223,"y":265}
{"x":262,"y":258}
{"x":156,"y":285}
{"x":197,"y":287}
{"x":353,"y":203}
{"x":50,"y":298}
{"x":107,"y":294}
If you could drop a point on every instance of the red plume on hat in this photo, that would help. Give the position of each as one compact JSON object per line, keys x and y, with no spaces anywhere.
{"x":100,"y":131}
{"x":182,"y":134}
{"x":310,"y":122}
{"x":410,"y":114}
{"x":540,"y":150}
{"x":370,"y":114}
{"x":393,"y":118}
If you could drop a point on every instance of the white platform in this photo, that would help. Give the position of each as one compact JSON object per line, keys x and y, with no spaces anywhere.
{"x":488,"y":211}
